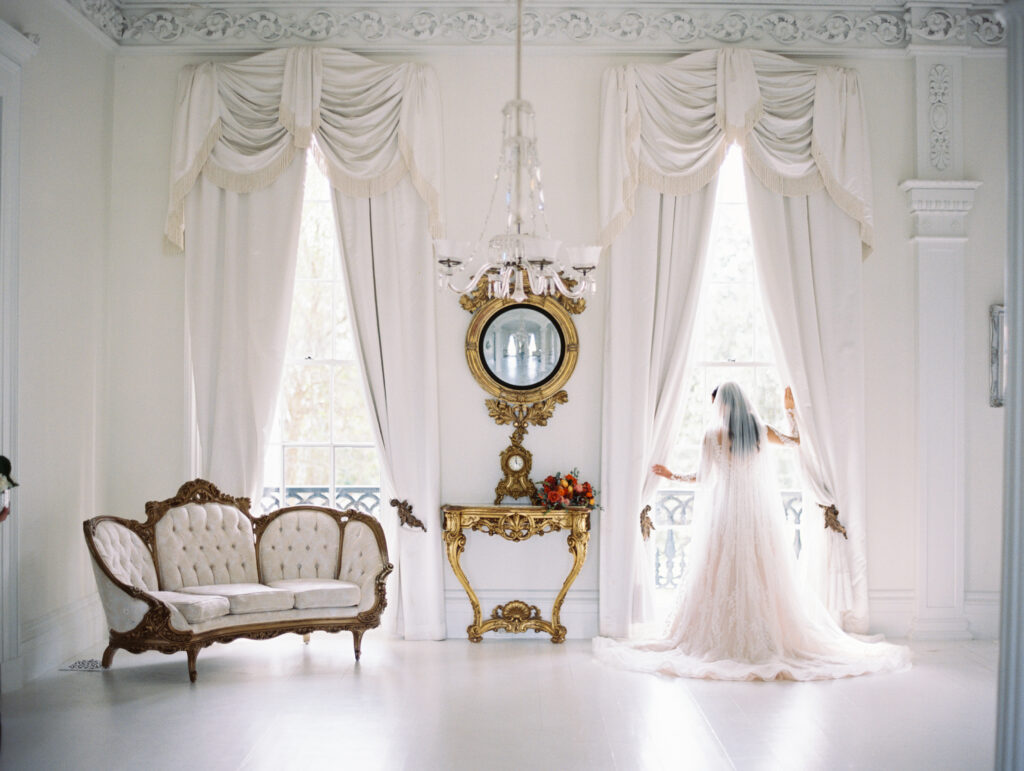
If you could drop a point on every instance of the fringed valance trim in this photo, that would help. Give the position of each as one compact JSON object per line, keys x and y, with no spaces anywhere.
{"x":431,"y":197}
{"x":356,"y":187}
{"x":685,"y":184}
{"x":254,"y":181}
{"x":174,"y":228}
{"x":779,"y":183}
{"x":844,"y":199}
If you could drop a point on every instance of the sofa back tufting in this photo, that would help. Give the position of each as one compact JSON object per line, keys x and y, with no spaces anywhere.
{"x":125,"y":555}
{"x":300,"y":543}
{"x":198,"y":544}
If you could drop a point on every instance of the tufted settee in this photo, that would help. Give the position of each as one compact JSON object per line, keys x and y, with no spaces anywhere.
{"x":201,"y":570}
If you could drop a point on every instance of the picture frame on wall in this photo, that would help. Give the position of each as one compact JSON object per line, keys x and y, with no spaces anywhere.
{"x":997,"y":355}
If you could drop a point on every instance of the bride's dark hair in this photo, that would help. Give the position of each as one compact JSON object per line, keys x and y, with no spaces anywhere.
{"x":739,"y":417}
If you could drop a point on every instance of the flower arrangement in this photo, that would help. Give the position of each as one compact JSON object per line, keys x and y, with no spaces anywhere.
{"x":559,"y":491}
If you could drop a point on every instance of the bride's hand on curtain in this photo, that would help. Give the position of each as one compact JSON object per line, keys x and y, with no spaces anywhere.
{"x":662,"y":471}
{"x":777,"y":437}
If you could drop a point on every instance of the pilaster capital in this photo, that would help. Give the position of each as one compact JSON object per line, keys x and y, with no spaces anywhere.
{"x":940,"y":207}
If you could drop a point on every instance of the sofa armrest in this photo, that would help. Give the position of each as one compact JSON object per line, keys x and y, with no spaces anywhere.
{"x":364,"y":560}
{"x":121,"y":561}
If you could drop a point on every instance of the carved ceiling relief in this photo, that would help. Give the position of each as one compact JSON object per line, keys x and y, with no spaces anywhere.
{"x":814,"y":27}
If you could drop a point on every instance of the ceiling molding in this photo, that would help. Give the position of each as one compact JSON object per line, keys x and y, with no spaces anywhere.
{"x":653,"y":27}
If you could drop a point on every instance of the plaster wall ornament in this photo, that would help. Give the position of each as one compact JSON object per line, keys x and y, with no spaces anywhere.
{"x":396,"y":26}
{"x":939,"y":117}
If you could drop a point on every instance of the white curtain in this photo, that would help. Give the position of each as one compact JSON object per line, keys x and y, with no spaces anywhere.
{"x":655,"y":273}
{"x":392,"y":306}
{"x":809,"y":263}
{"x":802,"y":130}
{"x":240,"y":133}
{"x":239,"y":277}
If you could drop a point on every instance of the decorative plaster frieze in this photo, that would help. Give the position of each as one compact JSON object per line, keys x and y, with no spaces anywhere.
{"x":940,"y":207}
{"x":793,"y":27}
{"x":940,"y":87}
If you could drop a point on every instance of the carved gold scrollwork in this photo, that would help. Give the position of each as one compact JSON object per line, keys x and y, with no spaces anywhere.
{"x":516,"y":523}
{"x":832,"y":519}
{"x":516,"y":615}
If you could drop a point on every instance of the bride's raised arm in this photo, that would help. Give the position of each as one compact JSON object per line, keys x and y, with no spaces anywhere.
{"x":793,"y":437}
{"x":662,"y":471}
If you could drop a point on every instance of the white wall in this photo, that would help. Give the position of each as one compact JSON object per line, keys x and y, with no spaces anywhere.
{"x":67,"y":94}
{"x":985,"y":127}
{"x":133,"y":356}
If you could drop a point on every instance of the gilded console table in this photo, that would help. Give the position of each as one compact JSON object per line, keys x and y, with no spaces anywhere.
{"x":516,"y":523}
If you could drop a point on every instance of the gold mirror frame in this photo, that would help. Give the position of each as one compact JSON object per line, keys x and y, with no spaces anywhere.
{"x":570,"y":350}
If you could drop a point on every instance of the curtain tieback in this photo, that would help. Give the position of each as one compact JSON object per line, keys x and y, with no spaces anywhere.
{"x":405,"y":516}
{"x":832,"y":519}
{"x":646,"y":525}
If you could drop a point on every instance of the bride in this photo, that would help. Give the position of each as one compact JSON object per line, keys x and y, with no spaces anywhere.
{"x":742,"y":612}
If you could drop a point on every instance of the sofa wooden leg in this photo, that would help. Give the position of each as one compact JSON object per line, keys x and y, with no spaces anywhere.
{"x":193,"y":653}
{"x":305,"y":638}
{"x":108,"y":656}
{"x":357,"y":641}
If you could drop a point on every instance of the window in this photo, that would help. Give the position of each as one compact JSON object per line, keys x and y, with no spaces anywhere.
{"x":731,"y":342}
{"x":322,"y":448}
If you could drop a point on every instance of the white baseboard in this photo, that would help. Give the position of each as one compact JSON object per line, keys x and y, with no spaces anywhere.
{"x":891,"y":610}
{"x":50,"y":640}
{"x":578,"y":616}
{"x":893,"y":613}
{"x":982,"y":611}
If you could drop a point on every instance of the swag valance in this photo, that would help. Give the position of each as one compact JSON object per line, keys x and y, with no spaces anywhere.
{"x":802,"y":128}
{"x":241,"y":125}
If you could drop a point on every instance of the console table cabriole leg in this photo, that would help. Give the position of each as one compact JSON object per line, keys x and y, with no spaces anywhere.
{"x":455,"y":542}
{"x":577,"y":539}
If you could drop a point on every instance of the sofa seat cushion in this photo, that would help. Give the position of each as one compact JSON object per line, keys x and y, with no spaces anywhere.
{"x":194,"y":607}
{"x":247,"y":598}
{"x":319,"y":592}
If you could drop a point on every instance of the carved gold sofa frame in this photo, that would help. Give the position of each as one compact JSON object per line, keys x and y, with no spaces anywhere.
{"x":202,"y":544}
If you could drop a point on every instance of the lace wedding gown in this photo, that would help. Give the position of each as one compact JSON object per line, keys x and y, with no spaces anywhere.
{"x":742,"y":612}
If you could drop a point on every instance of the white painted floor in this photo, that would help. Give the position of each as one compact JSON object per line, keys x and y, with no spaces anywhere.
{"x":502,"y":704}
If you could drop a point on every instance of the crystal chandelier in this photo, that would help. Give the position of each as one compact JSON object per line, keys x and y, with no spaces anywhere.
{"x":525,"y":246}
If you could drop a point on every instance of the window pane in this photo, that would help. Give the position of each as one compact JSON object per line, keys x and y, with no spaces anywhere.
{"x":307,"y":389}
{"x":763,"y":350}
{"x":351,"y":417}
{"x":317,"y":241}
{"x":307,"y":467}
{"x":356,"y":466}
{"x":309,"y":332}
{"x":729,"y":322}
{"x":731,"y":255}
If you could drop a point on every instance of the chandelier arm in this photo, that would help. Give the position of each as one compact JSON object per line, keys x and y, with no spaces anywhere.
{"x":575,"y":294}
{"x":472,"y":282}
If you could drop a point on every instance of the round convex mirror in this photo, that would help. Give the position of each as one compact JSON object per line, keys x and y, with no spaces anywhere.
{"x":521,"y":347}
{"x":522,"y":352}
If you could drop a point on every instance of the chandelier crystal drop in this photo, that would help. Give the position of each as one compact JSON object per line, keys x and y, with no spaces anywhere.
{"x":525,"y":251}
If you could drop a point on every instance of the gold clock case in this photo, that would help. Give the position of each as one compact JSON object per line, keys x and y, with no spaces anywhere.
{"x":570,"y":347}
